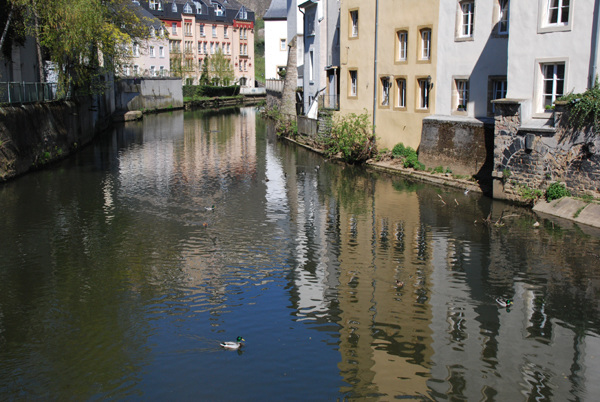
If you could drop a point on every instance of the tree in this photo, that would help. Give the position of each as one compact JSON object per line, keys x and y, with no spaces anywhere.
{"x":221,"y":70}
{"x":83,"y":38}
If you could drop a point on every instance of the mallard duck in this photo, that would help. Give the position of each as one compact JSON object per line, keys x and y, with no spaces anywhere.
{"x":211,"y":208}
{"x":233,"y":345}
{"x":399,"y":284}
{"x":502,"y":302}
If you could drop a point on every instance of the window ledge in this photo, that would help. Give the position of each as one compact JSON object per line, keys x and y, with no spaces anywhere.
{"x":464,"y":39}
{"x":554,"y":28}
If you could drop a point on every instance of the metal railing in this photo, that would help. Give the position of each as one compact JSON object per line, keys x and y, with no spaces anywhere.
{"x":23,"y":92}
{"x":274,"y":85}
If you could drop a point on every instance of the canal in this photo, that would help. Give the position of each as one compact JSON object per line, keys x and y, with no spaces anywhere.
{"x":123,"y":267}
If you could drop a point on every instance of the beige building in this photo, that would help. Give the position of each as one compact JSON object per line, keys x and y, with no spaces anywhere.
{"x":392,"y":82}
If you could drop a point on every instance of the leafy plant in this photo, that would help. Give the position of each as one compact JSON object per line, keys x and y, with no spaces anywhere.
{"x":399,"y":150}
{"x":530,"y":193}
{"x":556,"y":190}
{"x":438,"y":169}
{"x":584,"y":108}
{"x":352,"y":138}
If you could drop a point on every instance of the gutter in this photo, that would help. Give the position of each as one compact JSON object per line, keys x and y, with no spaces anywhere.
{"x":375,"y":65}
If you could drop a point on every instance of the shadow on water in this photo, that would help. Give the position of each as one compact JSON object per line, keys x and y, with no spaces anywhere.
{"x":124,"y":267}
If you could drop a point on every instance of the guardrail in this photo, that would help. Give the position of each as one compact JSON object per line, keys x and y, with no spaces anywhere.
{"x":23,"y":92}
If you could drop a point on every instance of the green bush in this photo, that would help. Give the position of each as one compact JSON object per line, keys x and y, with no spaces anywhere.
{"x":399,"y":150}
{"x":438,"y":169}
{"x":584,"y":108}
{"x":556,"y":190}
{"x":198,"y":91}
{"x":352,"y":137}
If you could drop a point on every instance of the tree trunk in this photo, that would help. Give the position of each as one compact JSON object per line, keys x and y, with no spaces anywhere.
{"x":10,"y":13}
{"x":38,"y":47}
{"x":288,"y":97}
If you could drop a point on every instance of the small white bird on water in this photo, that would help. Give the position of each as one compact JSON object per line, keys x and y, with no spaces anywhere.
{"x":233,"y":345}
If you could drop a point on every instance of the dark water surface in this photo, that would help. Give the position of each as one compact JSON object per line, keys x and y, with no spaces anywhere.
{"x":117,"y":282}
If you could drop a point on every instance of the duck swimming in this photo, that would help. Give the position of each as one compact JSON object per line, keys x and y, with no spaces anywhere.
{"x":502,"y":302}
{"x":211,"y":208}
{"x":399,"y":284}
{"x":233,"y":345}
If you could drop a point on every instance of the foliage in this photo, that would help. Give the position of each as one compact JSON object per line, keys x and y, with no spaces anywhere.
{"x":399,"y":150}
{"x":199,"y":91}
{"x":352,"y":138}
{"x":84,"y":38}
{"x":219,"y":68}
{"x":529,"y":193}
{"x":584,"y":108}
{"x":556,"y":190}
{"x":259,"y":51}
{"x":438,"y":169}
{"x":411,"y":159}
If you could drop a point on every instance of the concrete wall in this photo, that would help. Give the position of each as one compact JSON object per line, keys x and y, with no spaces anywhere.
{"x":275,"y":57}
{"x":476,"y":57}
{"x":465,"y":146}
{"x":36,"y":134}
{"x":393,"y":124}
{"x":148,"y":94}
{"x":530,"y":43}
{"x":536,"y":158}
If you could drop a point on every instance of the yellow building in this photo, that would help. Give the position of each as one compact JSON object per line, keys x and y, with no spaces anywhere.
{"x":388,"y":60}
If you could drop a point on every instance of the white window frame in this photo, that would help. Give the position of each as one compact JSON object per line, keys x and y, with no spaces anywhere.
{"x":353,"y":20}
{"x":353,"y":80}
{"x":549,"y":73}
{"x":547,"y":8}
{"x":425,"y":48}
{"x":424,"y":95}
{"x":188,"y":9}
{"x":460,"y":99}
{"x":400,"y":101}
{"x":174,"y":27}
{"x":174,"y":7}
{"x":466,"y":22}
{"x":498,"y":89}
{"x":402,"y":38}
{"x":503,"y":16}
{"x":202,"y":33}
{"x":225,"y":31}
{"x":385,"y":85}
{"x":151,"y":51}
{"x":282,"y":44}
{"x":214,"y":31}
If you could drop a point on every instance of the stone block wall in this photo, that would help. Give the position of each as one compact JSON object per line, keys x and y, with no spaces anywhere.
{"x":527,"y":157}
{"x":148,"y":94}
{"x":462,"y":144}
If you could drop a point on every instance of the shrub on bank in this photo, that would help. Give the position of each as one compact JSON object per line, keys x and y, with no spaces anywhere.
{"x":351,"y":138}
{"x":556,"y":190}
{"x":199,"y":91}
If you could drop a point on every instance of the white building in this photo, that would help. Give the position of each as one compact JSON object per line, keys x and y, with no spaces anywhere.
{"x":552,"y":50}
{"x":275,"y":39}
{"x":295,"y":27}
{"x":472,"y":57}
{"x":150,"y":58}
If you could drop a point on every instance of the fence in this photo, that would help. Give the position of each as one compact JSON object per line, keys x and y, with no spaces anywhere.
{"x":274,"y":85}
{"x":23,"y":92}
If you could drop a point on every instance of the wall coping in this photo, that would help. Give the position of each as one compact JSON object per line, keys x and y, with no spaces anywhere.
{"x":459,"y":119}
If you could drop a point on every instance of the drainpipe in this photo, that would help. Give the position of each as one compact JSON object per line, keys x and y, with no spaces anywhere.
{"x":375,"y":65}
{"x":595,"y":44}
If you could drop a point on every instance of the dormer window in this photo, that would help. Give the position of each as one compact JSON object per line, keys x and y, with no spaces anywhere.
{"x":243,"y":14}
{"x":174,"y":7}
{"x":219,"y":11}
{"x":187,"y":8}
{"x":152,"y":32}
{"x":155,"y":5}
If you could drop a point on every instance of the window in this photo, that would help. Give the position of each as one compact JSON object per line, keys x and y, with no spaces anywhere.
{"x":188,"y":46}
{"x":161,"y":51}
{"x":354,"y":24}
{"x":402,"y":38}
{"x":205,"y":46}
{"x":187,"y":8}
{"x":200,"y":47}
{"x":162,"y":71}
{"x":174,"y":7}
{"x":152,"y":71}
{"x":214,"y":31}
{"x":311,"y":66}
{"x":243,"y":14}
{"x":425,"y":44}
{"x":400,"y":93}
{"x":174,"y":27}
{"x":152,"y":51}
{"x":218,"y":10}
{"x":136,"y":50}
{"x":467,"y":13}
{"x":423,"y":85}
{"x":503,"y":17}
{"x":558,"y":12}
{"x":553,"y":77}
{"x":155,"y":5}
{"x":228,"y":48}
{"x":496,"y":90}
{"x":385,"y":91}
{"x":136,"y":69}
{"x":212,"y":47}
{"x":187,"y":27}
{"x":282,"y":44}
{"x":461,"y":95}
{"x":202,"y":33}
{"x":245,"y":65}
{"x":152,"y":32}
{"x":226,"y":31}
{"x":353,"y":87}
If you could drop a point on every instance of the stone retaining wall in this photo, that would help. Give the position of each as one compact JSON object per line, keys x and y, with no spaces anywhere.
{"x":528,"y":157}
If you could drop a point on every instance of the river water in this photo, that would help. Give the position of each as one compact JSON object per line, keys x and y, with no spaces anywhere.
{"x":118,"y":279}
